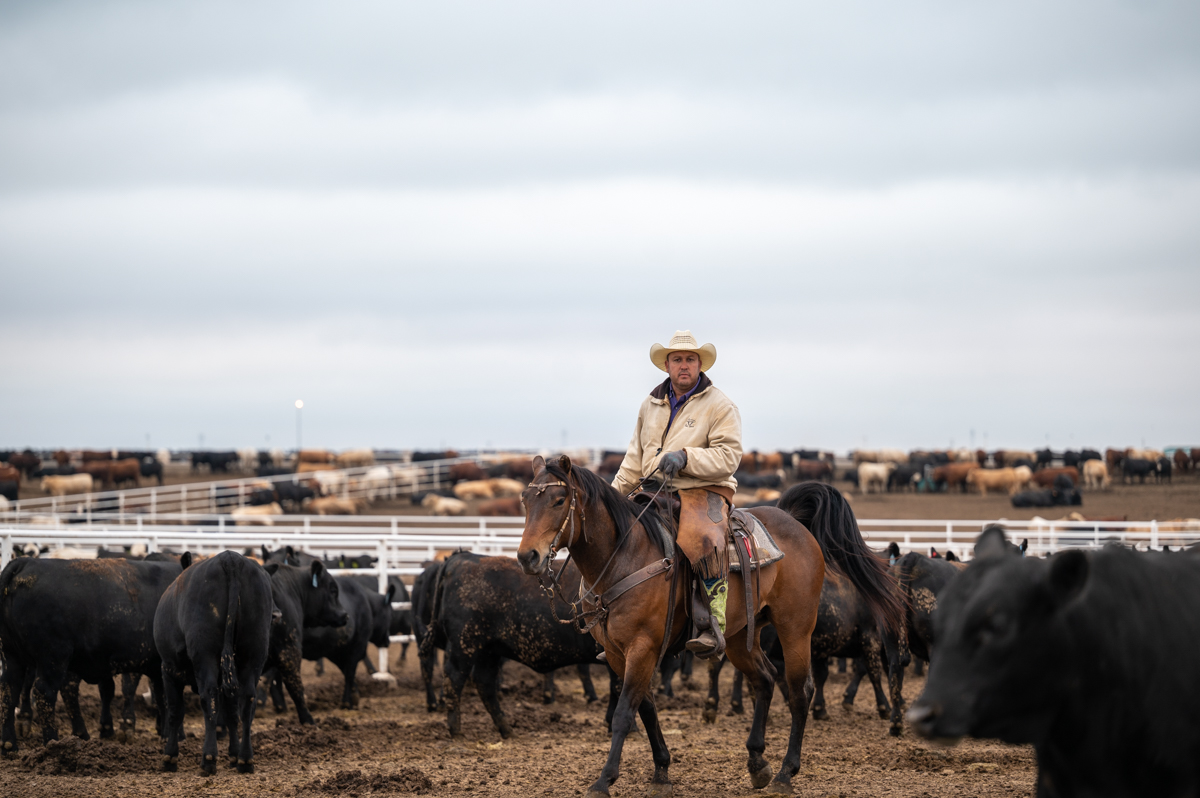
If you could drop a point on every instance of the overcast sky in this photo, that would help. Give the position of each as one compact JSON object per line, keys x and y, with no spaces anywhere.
{"x":464,"y":224}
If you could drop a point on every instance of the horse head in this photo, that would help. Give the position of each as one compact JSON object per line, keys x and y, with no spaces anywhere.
{"x":549,"y":506}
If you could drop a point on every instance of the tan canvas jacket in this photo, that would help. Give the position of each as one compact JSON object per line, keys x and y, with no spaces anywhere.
{"x":708,"y":427}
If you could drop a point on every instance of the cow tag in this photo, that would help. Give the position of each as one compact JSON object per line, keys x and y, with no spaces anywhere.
{"x":314,"y":580}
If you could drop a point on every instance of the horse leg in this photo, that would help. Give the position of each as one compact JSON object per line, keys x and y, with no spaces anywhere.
{"x":108,"y":689}
{"x":660,"y":784}
{"x":714,"y":689}
{"x":820,"y":672}
{"x":687,"y":663}
{"x":736,"y":703}
{"x":797,"y":650}
{"x":639,"y":670}
{"x":549,"y":691}
{"x":759,"y":669}
{"x":614,"y":693}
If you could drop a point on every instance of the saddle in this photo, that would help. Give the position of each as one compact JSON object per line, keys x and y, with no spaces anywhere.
{"x":750,"y":542}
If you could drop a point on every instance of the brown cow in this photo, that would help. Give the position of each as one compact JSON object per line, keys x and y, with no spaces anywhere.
{"x":981,"y":457}
{"x":814,"y":469}
{"x":1181,"y":459}
{"x":510,"y":506}
{"x":308,"y":468}
{"x":986,"y":479}
{"x":468,"y":472}
{"x":1009,"y":457}
{"x":953,"y":475}
{"x":749,"y":463}
{"x":770,"y":462}
{"x":1113,"y":458}
{"x":523,"y":469}
{"x":1195,"y":458}
{"x":87,"y":455}
{"x":1045,"y":477}
{"x":26,"y":462}
{"x":62,"y":458}
{"x":314,"y":456}
{"x":10,"y":474}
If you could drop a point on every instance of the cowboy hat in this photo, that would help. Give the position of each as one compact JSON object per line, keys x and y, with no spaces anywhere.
{"x":683,"y":341}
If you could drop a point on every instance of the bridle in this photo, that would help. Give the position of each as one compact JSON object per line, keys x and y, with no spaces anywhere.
{"x":583,"y":619}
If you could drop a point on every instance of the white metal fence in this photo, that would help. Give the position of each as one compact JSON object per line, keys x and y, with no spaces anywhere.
{"x":185,"y":501}
{"x":403,"y":543}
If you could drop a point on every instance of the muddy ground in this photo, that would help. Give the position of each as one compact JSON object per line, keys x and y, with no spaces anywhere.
{"x":391,"y":746}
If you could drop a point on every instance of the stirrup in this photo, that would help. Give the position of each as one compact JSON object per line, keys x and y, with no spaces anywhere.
{"x":706,"y":645}
{"x":602,"y":657}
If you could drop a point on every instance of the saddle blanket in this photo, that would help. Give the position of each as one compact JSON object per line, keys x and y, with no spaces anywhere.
{"x":768,"y":551}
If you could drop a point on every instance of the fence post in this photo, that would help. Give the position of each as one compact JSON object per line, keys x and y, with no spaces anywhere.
{"x":183,"y":502}
{"x":1154,"y":535}
{"x":7,"y":552}
{"x":153,"y":503}
{"x":382,"y":564}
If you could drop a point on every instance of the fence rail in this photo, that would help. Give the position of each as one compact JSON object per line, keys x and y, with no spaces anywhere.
{"x":402,"y":544}
{"x":184,"y":501}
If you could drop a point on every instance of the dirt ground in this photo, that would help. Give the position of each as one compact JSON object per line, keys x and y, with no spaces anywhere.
{"x":392,"y":746}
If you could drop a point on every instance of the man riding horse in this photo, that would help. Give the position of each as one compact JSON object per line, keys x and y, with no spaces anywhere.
{"x":691,"y":434}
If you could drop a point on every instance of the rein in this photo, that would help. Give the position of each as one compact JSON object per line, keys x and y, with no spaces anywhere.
{"x":584,"y":620}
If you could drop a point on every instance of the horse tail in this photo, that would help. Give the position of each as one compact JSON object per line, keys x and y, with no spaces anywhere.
{"x":828,"y":516}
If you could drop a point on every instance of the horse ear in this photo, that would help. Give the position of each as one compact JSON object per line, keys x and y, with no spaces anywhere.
{"x":539,"y":466}
{"x":564,"y":463}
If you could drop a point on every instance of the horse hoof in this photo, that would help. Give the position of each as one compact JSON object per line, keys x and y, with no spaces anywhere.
{"x":848,"y":706}
{"x":106,"y":732}
{"x":661,"y":790}
{"x":762,"y":778}
{"x":170,"y":764}
{"x":820,"y":713}
{"x":710,"y":716}
{"x":778,"y":789}
{"x":896,"y":731}
{"x":24,"y":728}
{"x":596,"y":794}
{"x":244,"y":766}
{"x":737,"y":708}
{"x":884,"y":714}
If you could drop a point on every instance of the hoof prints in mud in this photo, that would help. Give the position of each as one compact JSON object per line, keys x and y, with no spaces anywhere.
{"x":355,"y":782}
{"x":72,"y":756}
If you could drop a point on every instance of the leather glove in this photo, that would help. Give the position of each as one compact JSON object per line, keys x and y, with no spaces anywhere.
{"x":672,"y":463}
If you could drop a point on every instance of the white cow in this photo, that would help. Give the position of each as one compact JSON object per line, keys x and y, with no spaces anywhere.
{"x":248,"y":459}
{"x":259,"y":515}
{"x":443,"y":505}
{"x":61,"y":486}
{"x":374,"y":483}
{"x":1095,"y":474}
{"x":874,"y":473}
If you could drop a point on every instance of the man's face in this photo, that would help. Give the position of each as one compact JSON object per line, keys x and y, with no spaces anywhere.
{"x":684,"y":368}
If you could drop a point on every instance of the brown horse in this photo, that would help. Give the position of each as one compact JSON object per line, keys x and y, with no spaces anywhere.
{"x":575,"y":509}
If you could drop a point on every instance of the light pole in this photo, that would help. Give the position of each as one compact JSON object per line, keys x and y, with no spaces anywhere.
{"x":299,"y":407}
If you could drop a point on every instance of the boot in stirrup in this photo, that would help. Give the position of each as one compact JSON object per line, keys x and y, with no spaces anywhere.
{"x":710,"y":643}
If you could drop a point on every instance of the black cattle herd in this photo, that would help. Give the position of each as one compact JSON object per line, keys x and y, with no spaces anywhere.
{"x":1084,"y":654}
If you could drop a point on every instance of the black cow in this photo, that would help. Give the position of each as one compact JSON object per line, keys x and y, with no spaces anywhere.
{"x":487,"y":610}
{"x":905,"y":477}
{"x":845,"y":628}
{"x":306,"y":597}
{"x":1044,"y":458}
{"x":1070,"y":459}
{"x":401,"y":620}
{"x":76,"y":619}
{"x":1085,"y":655}
{"x":9,"y":489}
{"x":422,"y":615}
{"x":1137,"y":467}
{"x":1164,"y":469}
{"x":150,"y":467}
{"x":921,"y":580}
{"x":746,"y":480}
{"x":213,"y":630}
{"x":291,"y":493}
{"x":271,"y":471}
{"x":1055,"y":497}
{"x":370,"y":619}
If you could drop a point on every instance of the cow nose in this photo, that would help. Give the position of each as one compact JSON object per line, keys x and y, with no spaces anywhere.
{"x":923,"y":717}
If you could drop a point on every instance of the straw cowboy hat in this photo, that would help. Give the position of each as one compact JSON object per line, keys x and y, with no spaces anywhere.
{"x":683,"y":341}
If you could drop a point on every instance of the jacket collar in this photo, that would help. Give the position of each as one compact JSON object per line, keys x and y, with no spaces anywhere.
{"x":660,"y":391}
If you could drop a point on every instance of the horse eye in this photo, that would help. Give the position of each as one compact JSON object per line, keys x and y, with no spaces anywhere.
{"x":559,"y":502}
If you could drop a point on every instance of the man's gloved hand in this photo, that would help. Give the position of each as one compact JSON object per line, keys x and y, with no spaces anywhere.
{"x":672,"y":463}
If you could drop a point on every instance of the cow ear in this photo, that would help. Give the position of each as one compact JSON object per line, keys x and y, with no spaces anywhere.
{"x":539,"y":466}
{"x":317,"y":568}
{"x":271,"y":568}
{"x":1068,"y":575}
{"x":391,"y":592}
{"x":992,"y":542}
{"x":266,"y":552}
{"x":564,"y":463}
{"x":1024,"y":546}
{"x":185,"y":559}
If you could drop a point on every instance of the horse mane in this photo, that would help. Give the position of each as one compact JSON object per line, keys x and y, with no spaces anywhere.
{"x":623,"y":511}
